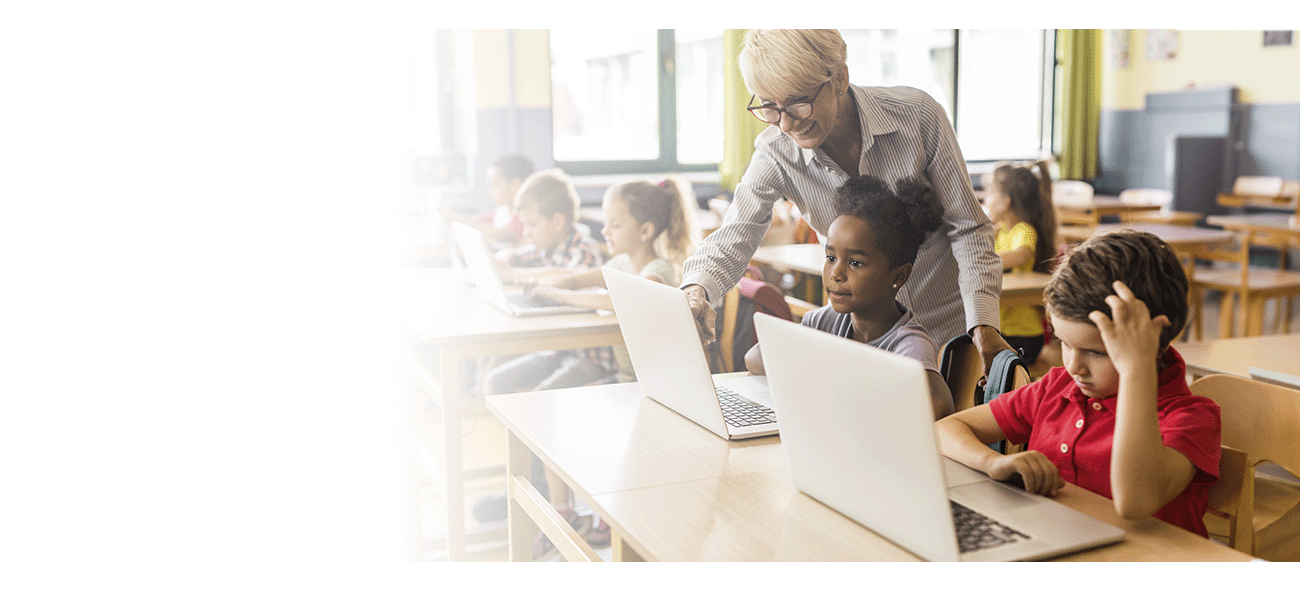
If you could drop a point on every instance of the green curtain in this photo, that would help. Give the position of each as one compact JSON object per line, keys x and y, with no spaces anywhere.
{"x":741,"y":127}
{"x":1080,"y":54}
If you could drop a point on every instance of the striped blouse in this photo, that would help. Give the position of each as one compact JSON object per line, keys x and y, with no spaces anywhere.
{"x":957,"y":277}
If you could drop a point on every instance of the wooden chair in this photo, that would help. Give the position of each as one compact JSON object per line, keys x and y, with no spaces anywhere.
{"x":1072,"y":202}
{"x":1256,"y":512}
{"x":1262,"y":192}
{"x":1247,"y":285}
{"x":735,"y":326}
{"x":962,"y":368}
{"x":1166,"y":214}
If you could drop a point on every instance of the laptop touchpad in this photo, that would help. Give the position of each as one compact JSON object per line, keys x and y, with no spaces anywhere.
{"x":991,"y":495}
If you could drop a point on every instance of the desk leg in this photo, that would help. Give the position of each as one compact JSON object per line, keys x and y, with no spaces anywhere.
{"x":449,"y":374}
{"x":521,"y":526}
{"x":623,"y":552}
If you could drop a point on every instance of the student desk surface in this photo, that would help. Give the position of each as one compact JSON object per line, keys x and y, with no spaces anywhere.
{"x":1235,"y":356}
{"x":447,"y":320}
{"x":1287,"y":224}
{"x":1180,"y":238}
{"x":1024,"y":289}
{"x":673,"y":491}
{"x":1094,"y":209}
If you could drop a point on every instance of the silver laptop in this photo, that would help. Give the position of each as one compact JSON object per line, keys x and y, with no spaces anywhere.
{"x":670,"y":364}
{"x":478,"y":260}
{"x":858,"y":432}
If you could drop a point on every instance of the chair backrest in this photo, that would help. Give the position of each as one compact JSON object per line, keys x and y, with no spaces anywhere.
{"x":1148,"y":196}
{"x":1257,"y":186}
{"x":735,"y":329}
{"x":1071,"y":191}
{"x":1263,"y":192}
{"x":962,"y":368}
{"x":1260,"y":422}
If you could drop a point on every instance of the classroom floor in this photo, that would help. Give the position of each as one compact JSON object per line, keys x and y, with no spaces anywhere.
{"x":484,"y":445}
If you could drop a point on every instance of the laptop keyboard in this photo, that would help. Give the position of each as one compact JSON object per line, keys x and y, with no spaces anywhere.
{"x":527,"y":301}
{"x":740,"y":412}
{"x":977,"y":532}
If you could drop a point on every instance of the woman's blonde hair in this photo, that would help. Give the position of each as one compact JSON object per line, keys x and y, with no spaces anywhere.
{"x":669,"y":206}
{"x":782,"y":63}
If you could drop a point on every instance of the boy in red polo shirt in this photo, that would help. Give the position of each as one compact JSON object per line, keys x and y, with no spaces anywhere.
{"x":1118,"y":418}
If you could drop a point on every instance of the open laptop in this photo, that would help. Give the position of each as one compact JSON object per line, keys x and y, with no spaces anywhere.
{"x":670,"y":364}
{"x":479,"y":262}
{"x":858,"y":432}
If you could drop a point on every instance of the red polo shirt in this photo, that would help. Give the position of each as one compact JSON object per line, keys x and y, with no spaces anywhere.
{"x":1075,"y":432}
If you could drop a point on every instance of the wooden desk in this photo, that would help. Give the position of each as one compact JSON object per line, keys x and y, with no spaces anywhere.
{"x":1093,"y":211}
{"x":1023,"y":289}
{"x":1235,"y":356}
{"x":1283,"y":224}
{"x":443,"y":314}
{"x":1182,"y":239}
{"x":673,"y":491}
{"x":804,"y":258}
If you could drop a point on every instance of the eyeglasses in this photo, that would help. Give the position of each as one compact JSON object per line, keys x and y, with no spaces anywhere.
{"x":800,"y":109}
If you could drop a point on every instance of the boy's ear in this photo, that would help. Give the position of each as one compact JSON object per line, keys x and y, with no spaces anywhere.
{"x":559,"y":221}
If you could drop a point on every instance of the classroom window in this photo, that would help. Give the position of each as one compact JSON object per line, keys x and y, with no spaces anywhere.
{"x":651,"y":100}
{"x":1001,"y":102}
{"x":636,"y":100}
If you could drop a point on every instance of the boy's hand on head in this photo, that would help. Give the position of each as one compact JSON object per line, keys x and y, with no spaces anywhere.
{"x":1039,"y":474}
{"x":1131,"y":335}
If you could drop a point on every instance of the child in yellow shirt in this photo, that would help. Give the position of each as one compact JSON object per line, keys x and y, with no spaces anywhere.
{"x":1019,"y":201}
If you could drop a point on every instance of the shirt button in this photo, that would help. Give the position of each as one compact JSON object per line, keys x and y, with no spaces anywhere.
{"x":1096,"y":406}
{"x":1078,"y":423}
{"x":1064,"y":448}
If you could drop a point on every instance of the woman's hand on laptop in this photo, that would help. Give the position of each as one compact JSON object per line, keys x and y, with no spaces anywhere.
{"x":1039,"y":474}
{"x":705,"y":317}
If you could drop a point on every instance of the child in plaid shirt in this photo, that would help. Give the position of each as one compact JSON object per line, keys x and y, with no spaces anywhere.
{"x":547,"y":204}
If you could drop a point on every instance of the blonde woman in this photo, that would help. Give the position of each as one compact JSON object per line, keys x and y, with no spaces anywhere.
{"x":825,"y":130}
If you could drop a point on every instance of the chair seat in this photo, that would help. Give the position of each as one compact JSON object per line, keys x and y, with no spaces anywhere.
{"x":1258,"y":280}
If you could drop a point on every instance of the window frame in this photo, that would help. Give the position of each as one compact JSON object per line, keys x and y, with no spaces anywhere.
{"x":667,"y":161}
{"x":667,"y":105}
